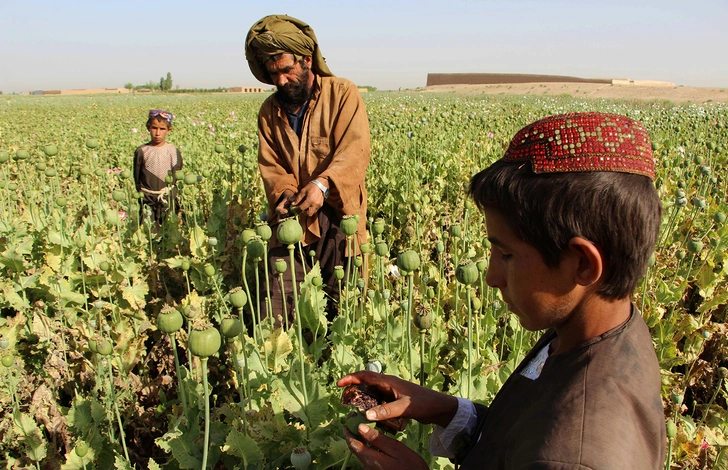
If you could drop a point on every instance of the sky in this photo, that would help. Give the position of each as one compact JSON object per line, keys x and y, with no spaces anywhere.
{"x":390,"y":45}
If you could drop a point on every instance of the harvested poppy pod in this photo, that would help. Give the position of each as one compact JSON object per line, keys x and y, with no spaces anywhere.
{"x":467,"y":272}
{"x":349,"y":225}
{"x":289,"y":232}
{"x":169,"y":320}
{"x":238,"y":297}
{"x":204,"y":343}
{"x":363,"y":398}
{"x":408,"y":261}
{"x":264,"y":231}
{"x":280,"y":266}
{"x":231,"y":327}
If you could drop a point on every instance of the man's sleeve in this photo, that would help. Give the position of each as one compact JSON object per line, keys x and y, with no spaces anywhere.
{"x":348,"y":166}
{"x":276,"y":174}
{"x":456,"y":439}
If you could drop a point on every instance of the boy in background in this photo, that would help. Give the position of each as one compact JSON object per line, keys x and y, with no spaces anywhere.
{"x":572,"y":216}
{"x":153,"y":161}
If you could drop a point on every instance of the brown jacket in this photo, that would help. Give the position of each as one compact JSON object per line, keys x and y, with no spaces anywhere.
{"x":595,"y":407}
{"x":334,"y":145}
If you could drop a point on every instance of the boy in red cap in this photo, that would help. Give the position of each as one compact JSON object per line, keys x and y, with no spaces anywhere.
{"x":572,"y":217}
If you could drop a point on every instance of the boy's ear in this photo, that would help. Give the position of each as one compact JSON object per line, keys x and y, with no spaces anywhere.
{"x":590,"y":265}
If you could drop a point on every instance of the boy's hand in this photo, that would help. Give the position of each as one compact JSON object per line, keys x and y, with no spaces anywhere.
{"x":309,"y":199}
{"x":382,"y":453}
{"x":410,"y":400}
{"x":285,"y":202}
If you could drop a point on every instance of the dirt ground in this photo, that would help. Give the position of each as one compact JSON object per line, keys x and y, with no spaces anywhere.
{"x":676,"y":94}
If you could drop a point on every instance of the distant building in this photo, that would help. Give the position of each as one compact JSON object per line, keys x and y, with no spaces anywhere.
{"x":246,"y":89}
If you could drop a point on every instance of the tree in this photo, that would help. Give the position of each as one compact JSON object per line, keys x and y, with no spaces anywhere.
{"x":129,"y":86}
{"x":168,"y":82}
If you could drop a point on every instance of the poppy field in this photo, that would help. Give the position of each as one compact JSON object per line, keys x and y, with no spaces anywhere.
{"x":125,"y":345}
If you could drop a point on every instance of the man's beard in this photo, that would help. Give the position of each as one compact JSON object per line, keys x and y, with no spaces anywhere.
{"x":293,"y":95}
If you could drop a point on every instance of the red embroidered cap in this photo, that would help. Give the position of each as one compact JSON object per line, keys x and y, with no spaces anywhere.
{"x":584,"y":142}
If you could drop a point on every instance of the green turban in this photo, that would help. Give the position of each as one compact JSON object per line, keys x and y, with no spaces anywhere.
{"x":278,"y":34}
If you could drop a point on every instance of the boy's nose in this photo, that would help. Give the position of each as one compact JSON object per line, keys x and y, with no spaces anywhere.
{"x":492,"y":277}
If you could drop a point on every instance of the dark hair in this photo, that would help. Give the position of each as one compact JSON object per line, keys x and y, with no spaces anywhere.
{"x":618,"y":212}
{"x":158,"y":118}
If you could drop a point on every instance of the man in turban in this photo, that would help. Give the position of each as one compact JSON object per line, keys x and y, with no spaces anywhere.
{"x":314,"y":144}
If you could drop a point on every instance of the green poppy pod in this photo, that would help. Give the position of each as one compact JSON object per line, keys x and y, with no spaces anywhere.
{"x":408,"y":261}
{"x":169,"y":320}
{"x":118,"y":195}
{"x":209,"y":270}
{"x":676,"y":398}
{"x":467,"y":273}
{"x":190,"y":178}
{"x":317,"y":281}
{"x":280,"y":266}
{"x":339,"y":272}
{"x":481,"y":265}
{"x":255,"y":248}
{"x":695,"y":245}
{"x":416,"y":207}
{"x":61,"y":201}
{"x":231,"y":327}
{"x":360,"y":283}
{"x":112,"y":217}
{"x":300,"y":458}
{"x":386,"y":294}
{"x":378,"y":227}
{"x":456,"y":231}
{"x":476,"y":303}
{"x":371,"y":294}
{"x":7,"y":360}
{"x":264,"y":231}
{"x":50,"y":172}
{"x":681,"y":202}
{"x":289,"y":232}
{"x":698,"y":159}
{"x":206,"y":173}
{"x":212,"y":241}
{"x":12,"y":186}
{"x":365,"y":248}
{"x":247,"y":234}
{"x":423,"y":319}
{"x":349,"y":225}
{"x":4,"y":343}
{"x":98,"y":172}
{"x":4,"y":157}
{"x":719,"y":218}
{"x":92,"y":345}
{"x":358,"y":261}
{"x":204,"y":343}
{"x":41,"y":166}
{"x":85,"y":170}
{"x":104,"y":347}
{"x":679,"y":193}
{"x":50,"y":150}
{"x":381,"y":249}
{"x":430,"y":293}
{"x":105,"y":266}
{"x":681,"y":254}
{"x":81,"y":449}
{"x":238,"y":297}
{"x":185,"y":265}
{"x":671,"y":429}
{"x":179,"y":175}
{"x":92,"y":143}
{"x":312,"y":254}
{"x":439,"y":247}
{"x":169,"y":179}
{"x":219,"y":148}
{"x":22,"y":154}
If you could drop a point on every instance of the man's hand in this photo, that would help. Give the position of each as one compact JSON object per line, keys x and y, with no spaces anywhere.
{"x":285,"y":202}
{"x":309,"y":199}
{"x":410,"y":400}
{"x":382,"y":453}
